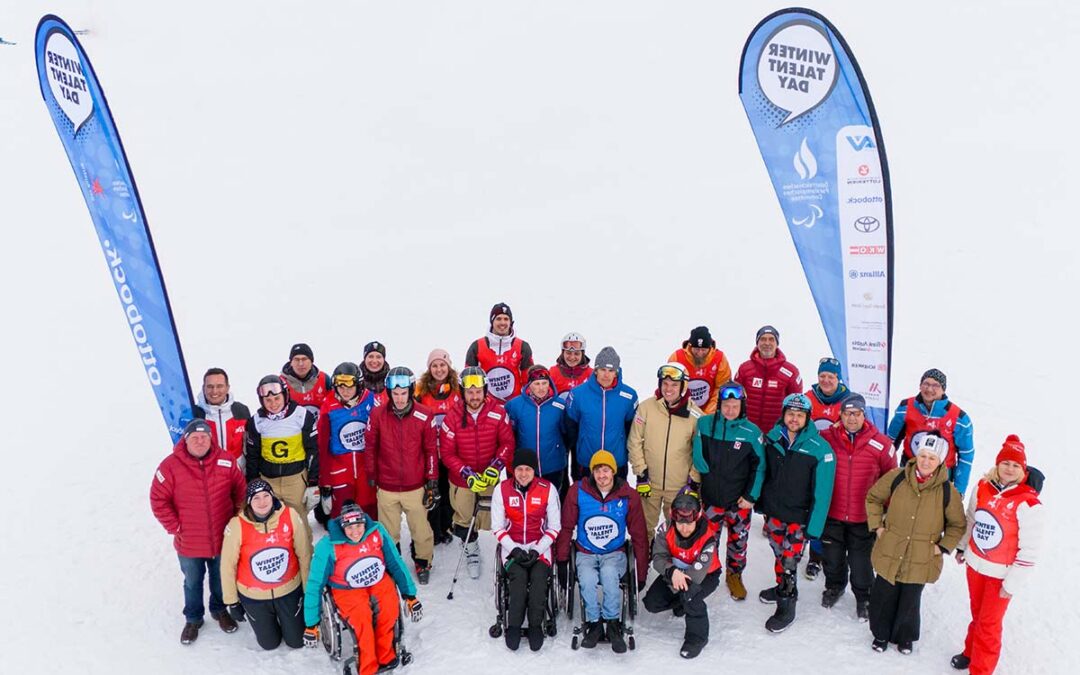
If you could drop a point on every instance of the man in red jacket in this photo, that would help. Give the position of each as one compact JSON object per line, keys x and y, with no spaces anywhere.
{"x":477,"y":442}
{"x":767,"y":378}
{"x":863,"y":455}
{"x":402,"y":461}
{"x":195,"y":491}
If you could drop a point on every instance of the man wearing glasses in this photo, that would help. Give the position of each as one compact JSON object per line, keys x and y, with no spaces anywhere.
{"x":572,"y":367}
{"x":308,"y":386}
{"x":931,"y":410}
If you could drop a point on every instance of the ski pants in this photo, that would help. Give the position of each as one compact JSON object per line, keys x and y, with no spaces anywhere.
{"x":463,"y":500}
{"x":290,"y":489}
{"x":372,"y":613}
{"x":441,"y":518}
{"x":655,"y":506}
{"x":195,"y":570}
{"x":847,"y":549}
{"x":738,"y":530}
{"x":894,"y":610}
{"x":347,"y":479}
{"x":662,"y":598}
{"x":277,"y":619}
{"x":528,"y":591}
{"x":392,"y":505}
{"x":787,"y":541}
{"x":983,"y":642}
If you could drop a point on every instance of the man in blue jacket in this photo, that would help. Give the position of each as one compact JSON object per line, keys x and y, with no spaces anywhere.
{"x":599,"y":413}
{"x":537,"y":417}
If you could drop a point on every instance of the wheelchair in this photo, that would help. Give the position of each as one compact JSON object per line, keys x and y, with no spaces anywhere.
{"x":339,"y":640}
{"x":502,"y":600}
{"x":628,"y":584}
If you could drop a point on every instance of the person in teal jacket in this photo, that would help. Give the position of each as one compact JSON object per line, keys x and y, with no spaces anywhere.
{"x":729,"y":455}
{"x":360,"y":563}
{"x":799,"y":472}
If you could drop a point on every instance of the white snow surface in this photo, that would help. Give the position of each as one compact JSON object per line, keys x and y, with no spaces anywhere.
{"x":338,"y":172}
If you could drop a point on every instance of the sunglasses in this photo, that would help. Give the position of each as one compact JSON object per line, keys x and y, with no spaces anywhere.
{"x":399,"y":382}
{"x":473,"y":382}
{"x":731,"y":391}
{"x":345,"y":380}
{"x":670,"y":373}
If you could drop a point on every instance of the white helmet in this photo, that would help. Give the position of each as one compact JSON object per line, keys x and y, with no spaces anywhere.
{"x":573,"y":337}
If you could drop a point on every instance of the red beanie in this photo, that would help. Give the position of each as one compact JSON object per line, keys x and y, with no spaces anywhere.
{"x":1012,"y":451}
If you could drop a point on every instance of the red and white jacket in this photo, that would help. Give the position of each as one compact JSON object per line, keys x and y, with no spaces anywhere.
{"x":1005,"y":532}
{"x":528,"y":520}
{"x":767,"y":382}
{"x":227,"y":420}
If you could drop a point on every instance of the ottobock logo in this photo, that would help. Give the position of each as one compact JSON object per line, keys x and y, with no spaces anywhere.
{"x":867,"y":224}
{"x":805,"y":163}
{"x":859,"y":143}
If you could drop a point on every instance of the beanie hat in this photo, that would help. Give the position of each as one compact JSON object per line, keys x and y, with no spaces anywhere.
{"x":1012,"y":451}
{"x":608,"y":358}
{"x":526,"y":457}
{"x":500,"y":308}
{"x":301,"y":349}
{"x":438,"y":355}
{"x":197,"y":426}
{"x":829,"y":365}
{"x":602,"y":458}
{"x":256,"y":486}
{"x":768,"y":330}
{"x":934,"y":374}
{"x":853,"y":402}
{"x":375,"y":346}
{"x":351,"y":514}
{"x":537,"y":373}
{"x":933,"y":443}
{"x":700,"y":337}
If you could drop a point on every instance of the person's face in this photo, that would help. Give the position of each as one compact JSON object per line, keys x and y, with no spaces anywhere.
{"x":274,"y":402}
{"x":685,"y":529}
{"x":604,"y":477}
{"x":794,"y":420}
{"x":540,"y":388}
{"x":355,"y":531}
{"x":828,"y":382}
{"x":523,"y":474}
{"x":198,"y":444}
{"x":605,"y":376}
{"x":400,"y":397}
{"x":215,"y":389}
{"x":852,"y":420}
{"x":730,"y":408}
{"x":671,"y":391}
{"x":766,"y":346}
{"x":261,"y":504}
{"x":474,"y":398}
{"x":572,"y":357}
{"x":500,"y":325}
{"x":440,"y":370}
{"x":301,"y":365}
{"x":346,"y":393}
{"x":374,"y":361}
{"x":931,"y":390}
{"x":927,"y":462}
{"x":1010,"y":472}
{"x":699,"y":353}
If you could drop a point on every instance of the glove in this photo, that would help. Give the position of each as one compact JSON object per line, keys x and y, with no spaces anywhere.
{"x":643,"y":487}
{"x":530,"y":558}
{"x":473,"y":480}
{"x":491,"y":474}
{"x":326,"y":499}
{"x":311,"y":637}
{"x":691,"y":488}
{"x":431,"y":495}
{"x":311,"y":497}
{"x":518,"y":555}
{"x":236,"y":611}
{"x":414,"y":609}
{"x":563,"y":572}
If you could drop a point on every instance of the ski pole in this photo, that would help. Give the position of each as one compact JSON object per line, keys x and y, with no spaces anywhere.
{"x":461,"y":556}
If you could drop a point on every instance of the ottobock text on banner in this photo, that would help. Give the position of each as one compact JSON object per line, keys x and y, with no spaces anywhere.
{"x":82,"y":118}
{"x":818,"y":133}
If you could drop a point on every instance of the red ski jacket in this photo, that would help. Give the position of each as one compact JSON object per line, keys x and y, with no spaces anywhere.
{"x":860,"y":462}
{"x":400,"y":452}
{"x":475,"y":443}
{"x":767,"y":382}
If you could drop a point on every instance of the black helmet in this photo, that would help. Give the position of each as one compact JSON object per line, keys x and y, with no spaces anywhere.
{"x":347,"y":370}
{"x":271,"y":380}
{"x":400,"y":377}
{"x":685,"y":508}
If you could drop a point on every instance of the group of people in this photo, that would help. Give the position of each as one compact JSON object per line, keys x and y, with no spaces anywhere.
{"x":565,"y":461}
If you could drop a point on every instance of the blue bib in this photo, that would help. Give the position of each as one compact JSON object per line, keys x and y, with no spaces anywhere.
{"x":347,"y":427}
{"x":601,"y":526}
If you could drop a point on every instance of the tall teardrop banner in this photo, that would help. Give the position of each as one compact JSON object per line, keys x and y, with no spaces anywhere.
{"x":816,"y":128}
{"x":81,"y":114}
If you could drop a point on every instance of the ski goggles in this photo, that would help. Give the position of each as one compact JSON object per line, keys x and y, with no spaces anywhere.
{"x":473,"y":382}
{"x":669,"y":372}
{"x":271,"y":389}
{"x":399,"y":382}
{"x":731,"y":391}
{"x":829,"y":360}
{"x":572,"y":346}
{"x":684,"y":515}
{"x":345,"y":380}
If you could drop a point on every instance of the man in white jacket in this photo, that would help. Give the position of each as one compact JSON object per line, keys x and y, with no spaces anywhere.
{"x":226,"y":415}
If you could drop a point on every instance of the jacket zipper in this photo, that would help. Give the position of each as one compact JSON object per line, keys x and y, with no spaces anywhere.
{"x":540,"y":469}
{"x":667,"y":441}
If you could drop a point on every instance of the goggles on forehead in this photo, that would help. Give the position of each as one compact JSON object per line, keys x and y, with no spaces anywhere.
{"x":731,"y":391}
{"x":473,"y":382}
{"x":271,"y":389}
{"x":399,"y":382}
{"x":830,"y":360}
{"x":572,"y":346}
{"x":671,"y":373}
{"x":345,"y":380}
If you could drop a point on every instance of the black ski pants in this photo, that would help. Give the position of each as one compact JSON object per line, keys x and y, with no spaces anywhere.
{"x":277,"y":619}
{"x":528,"y":591}
{"x":846,"y":549}
{"x":661,"y":598}
{"x":894,"y":610}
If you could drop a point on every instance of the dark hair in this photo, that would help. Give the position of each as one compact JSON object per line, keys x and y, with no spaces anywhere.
{"x":215,"y":371}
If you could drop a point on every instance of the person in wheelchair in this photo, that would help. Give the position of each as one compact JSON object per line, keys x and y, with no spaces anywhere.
{"x":525,"y":520}
{"x":686,"y":556}
{"x":604,"y":509}
{"x":360,"y":564}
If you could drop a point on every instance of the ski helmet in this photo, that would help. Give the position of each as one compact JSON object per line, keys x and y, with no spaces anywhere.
{"x":400,"y":377}
{"x":674,"y":371}
{"x":266,"y":386}
{"x":346,"y":374}
{"x":730,"y":390}
{"x":685,"y":508}
{"x":797,"y":402}
{"x":573,"y":337}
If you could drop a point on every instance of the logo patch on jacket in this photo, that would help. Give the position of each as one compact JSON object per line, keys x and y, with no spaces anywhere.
{"x":876,"y":445}
{"x":515,"y":501}
{"x":626,"y":394}
{"x":160,"y":476}
{"x":738,"y":444}
{"x":224,"y":462}
{"x":495,"y":416}
{"x":420,"y":416}
{"x":534,"y":500}
{"x":785,"y":371}
{"x":829,"y":457}
{"x":756,"y":382}
{"x":558,"y":405}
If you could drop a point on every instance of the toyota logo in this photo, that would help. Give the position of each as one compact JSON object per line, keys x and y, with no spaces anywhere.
{"x":867,"y":224}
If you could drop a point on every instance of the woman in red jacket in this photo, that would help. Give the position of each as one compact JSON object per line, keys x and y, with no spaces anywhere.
{"x":439,"y":388}
{"x":1005,"y":533}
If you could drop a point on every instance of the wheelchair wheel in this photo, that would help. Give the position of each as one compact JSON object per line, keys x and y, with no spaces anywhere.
{"x":496,"y":630}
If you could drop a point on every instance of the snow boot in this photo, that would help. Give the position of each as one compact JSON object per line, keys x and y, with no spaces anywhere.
{"x":536,"y":637}
{"x":226,"y":622}
{"x":787,"y":595}
{"x":594,"y":630}
{"x":423,"y":573}
{"x":830,"y":596}
{"x":513,"y":637}
{"x":387,"y":667}
{"x":862,"y":610}
{"x":615,"y":636}
{"x":691,"y":648}
{"x":735,"y":586}
{"x":768,"y":596}
{"x":879,"y":645}
{"x":190,"y":633}
{"x":813,"y":569}
{"x":472,"y":559}
{"x":905,"y":648}
{"x":960,"y":662}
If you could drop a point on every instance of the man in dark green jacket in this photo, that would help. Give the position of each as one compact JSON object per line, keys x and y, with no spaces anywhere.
{"x":799,"y":473}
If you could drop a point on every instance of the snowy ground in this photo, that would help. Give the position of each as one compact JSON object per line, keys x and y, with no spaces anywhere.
{"x":338,"y":172}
